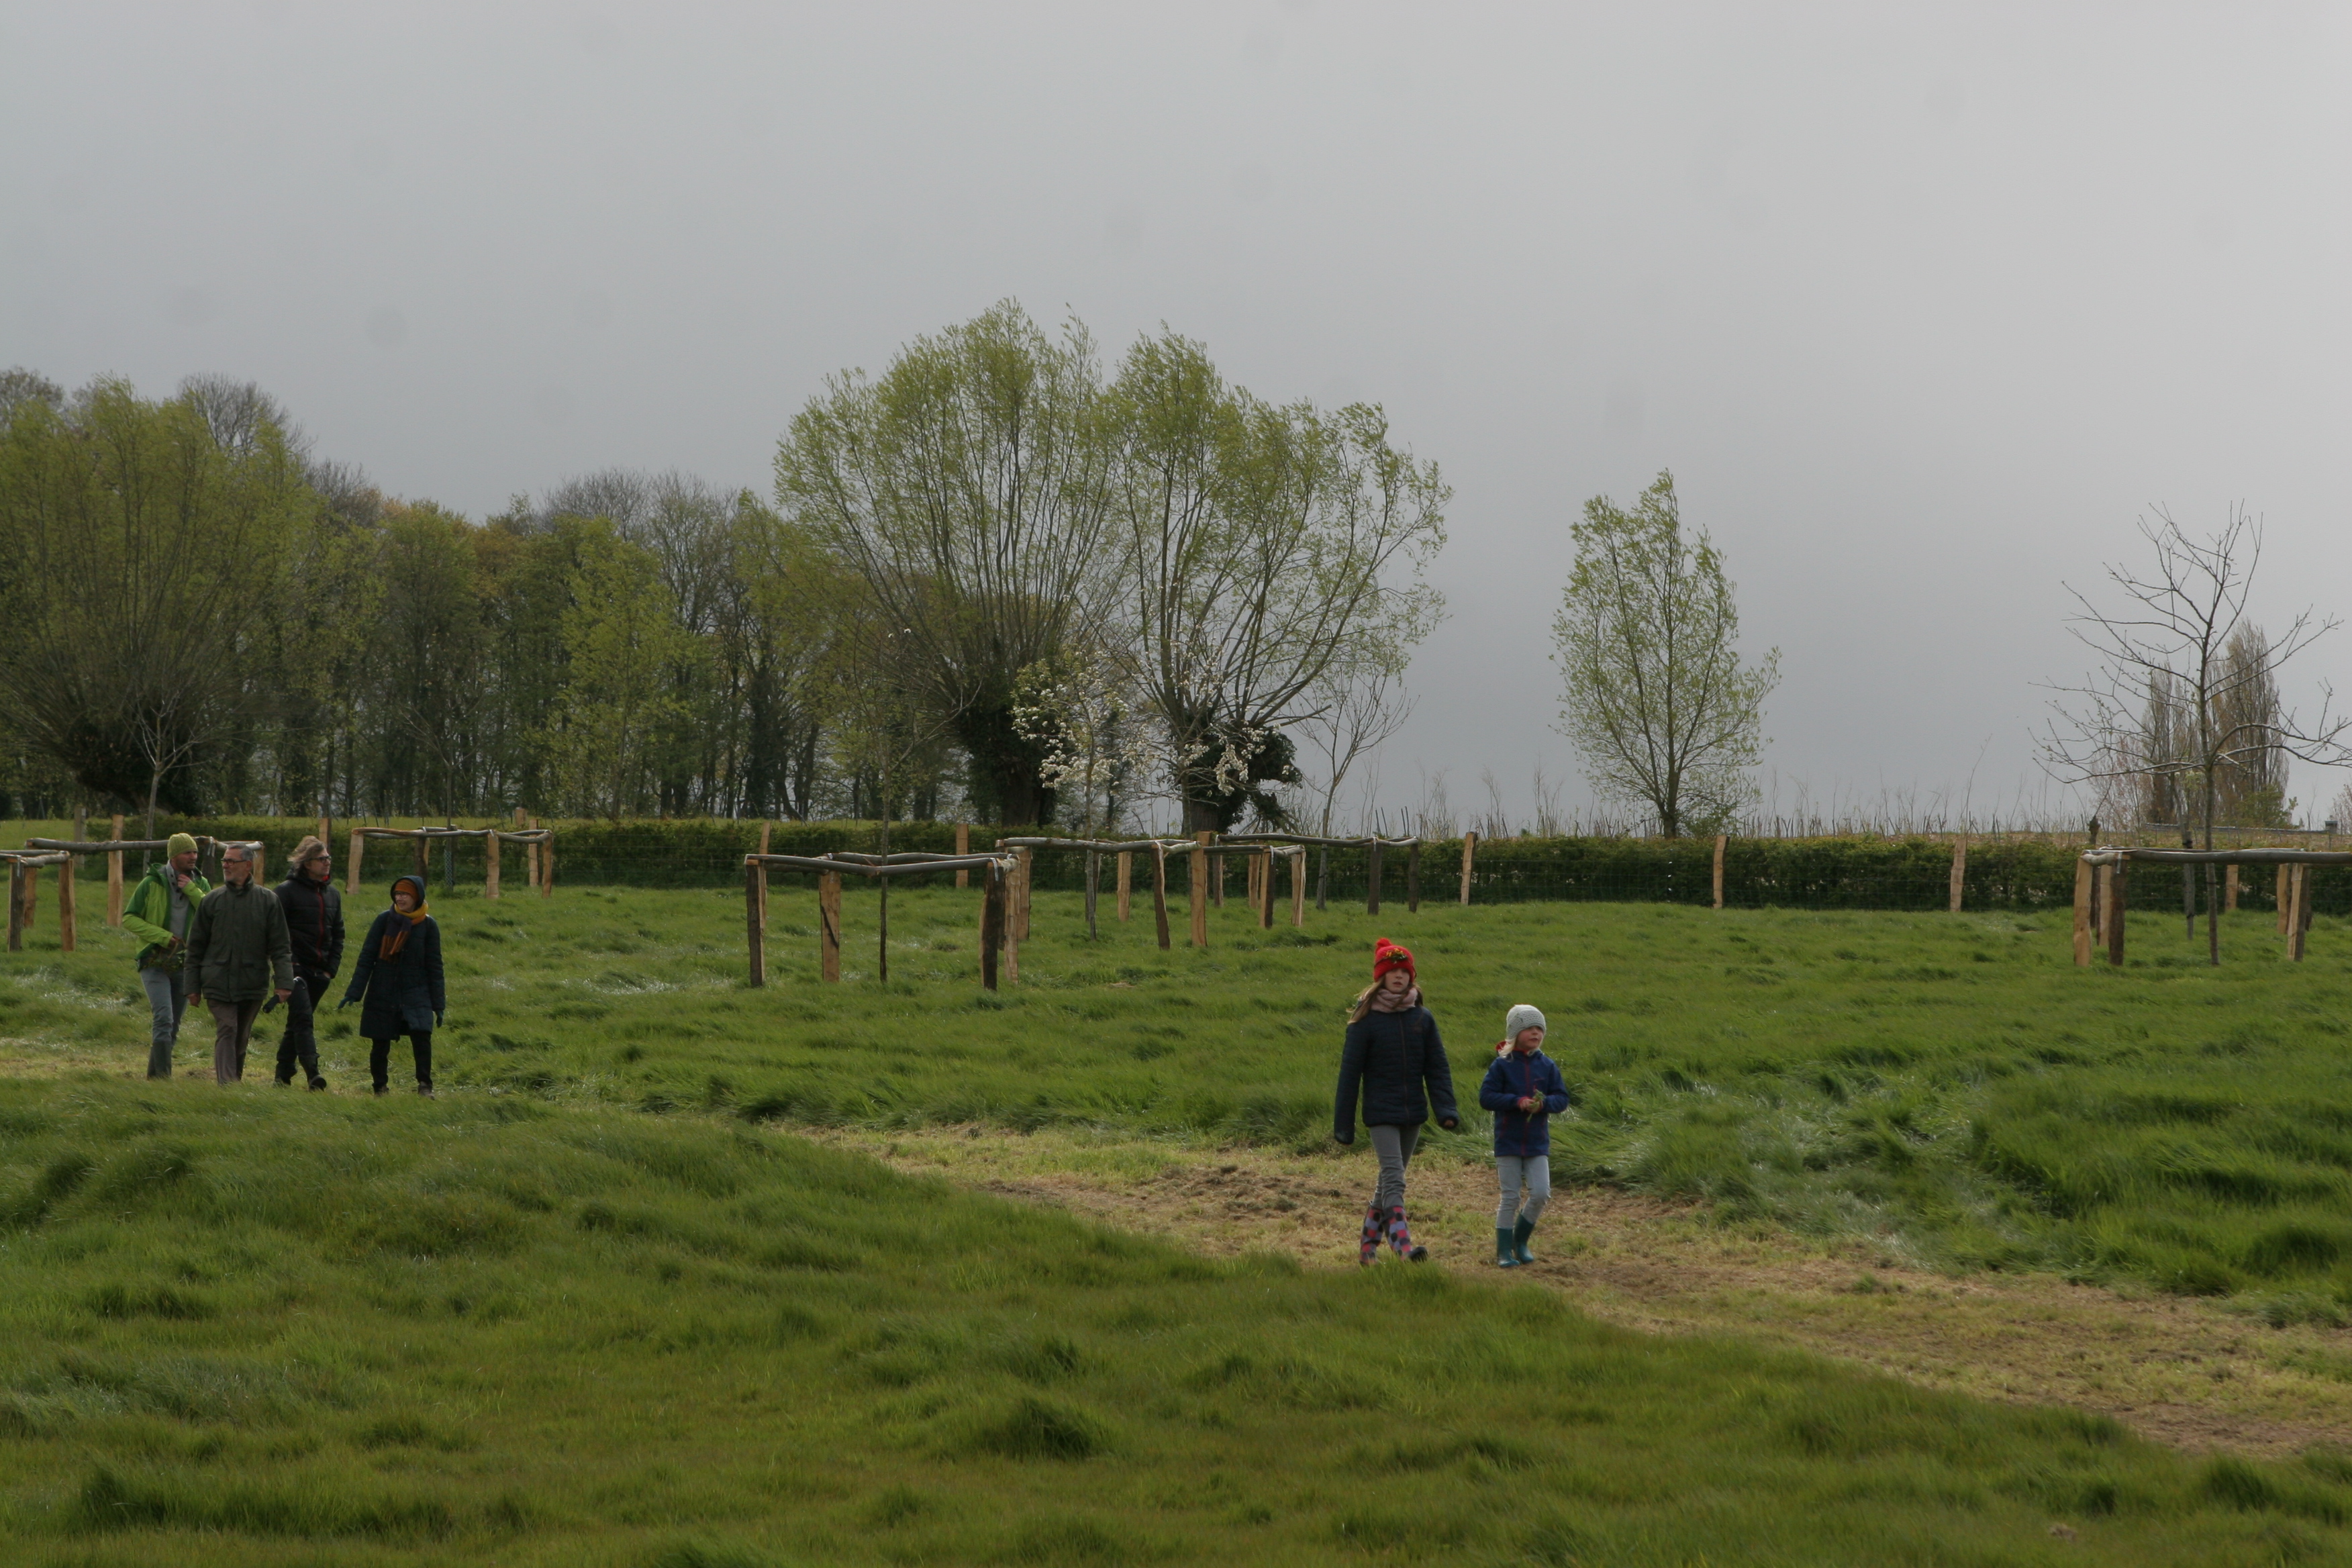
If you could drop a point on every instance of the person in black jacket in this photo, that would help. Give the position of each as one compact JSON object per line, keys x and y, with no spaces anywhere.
{"x":1524,"y":1090}
{"x":1395,"y":1060}
{"x":399,"y":974}
{"x":314,"y":920}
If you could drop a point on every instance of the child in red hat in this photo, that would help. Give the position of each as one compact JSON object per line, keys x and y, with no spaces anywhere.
{"x":1394,"y":1061}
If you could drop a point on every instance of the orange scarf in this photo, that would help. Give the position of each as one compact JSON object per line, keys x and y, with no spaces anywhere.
{"x":398,"y":937}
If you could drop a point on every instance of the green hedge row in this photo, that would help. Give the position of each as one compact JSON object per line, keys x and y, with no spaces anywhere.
{"x":1858,"y":873}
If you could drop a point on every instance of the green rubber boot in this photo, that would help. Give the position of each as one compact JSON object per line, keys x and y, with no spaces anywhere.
{"x":1503,"y":1257}
{"x":1519,"y":1234}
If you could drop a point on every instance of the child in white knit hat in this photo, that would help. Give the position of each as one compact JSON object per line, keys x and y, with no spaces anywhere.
{"x":1525,"y":1091}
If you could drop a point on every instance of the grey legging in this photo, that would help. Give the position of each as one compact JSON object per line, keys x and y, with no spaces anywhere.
{"x":1393,"y":1145}
{"x":1531,"y":1175}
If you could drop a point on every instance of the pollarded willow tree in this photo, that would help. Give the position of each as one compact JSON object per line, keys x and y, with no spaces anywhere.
{"x":1263,"y":549}
{"x":966,"y":489}
{"x":1658,"y":700}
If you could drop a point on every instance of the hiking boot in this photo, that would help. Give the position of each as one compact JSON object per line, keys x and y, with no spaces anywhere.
{"x":1401,"y":1238}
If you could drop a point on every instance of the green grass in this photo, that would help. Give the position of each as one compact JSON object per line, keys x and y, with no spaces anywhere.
{"x":256,"y":1328}
{"x":1952,"y":1086}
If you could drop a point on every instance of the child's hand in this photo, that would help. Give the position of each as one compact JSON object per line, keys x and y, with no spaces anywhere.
{"x":1528,"y":1102}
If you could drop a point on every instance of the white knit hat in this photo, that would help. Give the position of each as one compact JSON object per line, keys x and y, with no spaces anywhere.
{"x":1521,"y":1017}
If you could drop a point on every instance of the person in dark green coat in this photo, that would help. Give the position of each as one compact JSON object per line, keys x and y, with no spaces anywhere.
{"x":239,"y":953}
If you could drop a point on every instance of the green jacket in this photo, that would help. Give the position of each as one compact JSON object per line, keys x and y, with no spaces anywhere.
{"x":240,"y":945}
{"x":148,"y":915}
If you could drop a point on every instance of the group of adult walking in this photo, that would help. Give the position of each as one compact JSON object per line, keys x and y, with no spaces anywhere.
{"x":242,"y":948}
{"x":1393,"y":1064}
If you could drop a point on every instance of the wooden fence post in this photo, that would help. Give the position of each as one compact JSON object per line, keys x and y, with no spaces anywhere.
{"x":1126,"y":881}
{"x":1373,"y":876}
{"x":1093,"y":886}
{"x":764,"y":827}
{"x":1412,"y":877}
{"x":963,"y":847}
{"x":1959,"y":869}
{"x":546,"y":864}
{"x":66,"y":899}
{"x":1024,"y":865}
{"x":1160,"y":891}
{"x":2285,"y":883}
{"x":2119,"y":883}
{"x":2230,"y":889}
{"x":991,"y":923}
{"x":757,"y":943}
{"x":828,"y":920}
{"x":1198,"y":890}
{"x":2298,"y":910}
{"x":17,"y":906}
{"x":1469,"y":856}
{"x":1720,"y":840}
{"x":491,"y":864}
{"x":1299,"y":888}
{"x":1249,"y":879}
{"x":351,"y":869}
{"x":1265,"y":891}
{"x":2083,"y":875}
{"x":114,"y":879}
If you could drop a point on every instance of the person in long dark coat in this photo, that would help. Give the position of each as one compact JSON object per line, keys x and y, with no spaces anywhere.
{"x":1394,"y":1061}
{"x":399,"y":977}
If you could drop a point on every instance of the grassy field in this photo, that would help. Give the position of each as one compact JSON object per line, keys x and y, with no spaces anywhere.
{"x":256,"y":1328}
{"x":1951,"y":1087}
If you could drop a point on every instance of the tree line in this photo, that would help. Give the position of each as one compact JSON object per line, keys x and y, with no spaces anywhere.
{"x":999,"y":577}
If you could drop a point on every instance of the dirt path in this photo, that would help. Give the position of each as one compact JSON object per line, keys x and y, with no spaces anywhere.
{"x":2192,"y":1373}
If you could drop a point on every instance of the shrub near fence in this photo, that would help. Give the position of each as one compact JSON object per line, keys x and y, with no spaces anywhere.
{"x":1829,"y":873}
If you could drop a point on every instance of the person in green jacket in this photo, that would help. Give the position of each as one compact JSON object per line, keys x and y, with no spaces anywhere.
{"x":160,"y":910}
{"x":239,"y":948}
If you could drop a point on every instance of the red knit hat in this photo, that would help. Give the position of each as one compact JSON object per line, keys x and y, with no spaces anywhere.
{"x":1388,"y":955}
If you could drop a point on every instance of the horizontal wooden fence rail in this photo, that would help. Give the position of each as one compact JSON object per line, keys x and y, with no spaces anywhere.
{"x":23,"y":874}
{"x":994,"y":933}
{"x":2102,"y":878}
{"x":538,"y":850}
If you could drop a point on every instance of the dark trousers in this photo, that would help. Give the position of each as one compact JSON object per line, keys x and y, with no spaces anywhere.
{"x":380,"y":1058}
{"x":301,"y":1041}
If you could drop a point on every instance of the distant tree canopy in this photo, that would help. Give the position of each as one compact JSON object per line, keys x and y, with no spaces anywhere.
{"x":991,"y":578}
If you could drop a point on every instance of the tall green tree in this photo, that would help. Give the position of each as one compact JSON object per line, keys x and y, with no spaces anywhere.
{"x":618,"y":719}
{"x":138,"y":556}
{"x":1657,"y":699}
{"x":965,"y":489}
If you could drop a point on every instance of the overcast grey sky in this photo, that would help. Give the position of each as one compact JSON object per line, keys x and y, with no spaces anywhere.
{"x":1923,"y":305}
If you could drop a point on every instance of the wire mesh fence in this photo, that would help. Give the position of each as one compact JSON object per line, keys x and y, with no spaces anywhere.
{"x":2022,"y":872}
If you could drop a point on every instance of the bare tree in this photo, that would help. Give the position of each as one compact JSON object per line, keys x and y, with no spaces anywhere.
{"x":1358,"y":712}
{"x":2179,"y":632}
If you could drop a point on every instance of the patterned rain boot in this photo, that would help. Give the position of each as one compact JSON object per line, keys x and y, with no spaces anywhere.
{"x":1519,"y":1234}
{"x":1371,"y":1246}
{"x":1503,"y":1257}
{"x":1401,"y":1237}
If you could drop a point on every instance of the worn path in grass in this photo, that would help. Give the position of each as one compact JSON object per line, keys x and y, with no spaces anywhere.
{"x":2194,"y":1374}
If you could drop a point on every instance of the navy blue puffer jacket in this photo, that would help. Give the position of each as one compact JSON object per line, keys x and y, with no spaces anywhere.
{"x":1524,"y":1133}
{"x":1397,"y":1063}
{"x":403,"y":995}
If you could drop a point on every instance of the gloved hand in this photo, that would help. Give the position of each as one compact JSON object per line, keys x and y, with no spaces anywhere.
{"x":437,"y":1020}
{"x":344,"y":1003}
